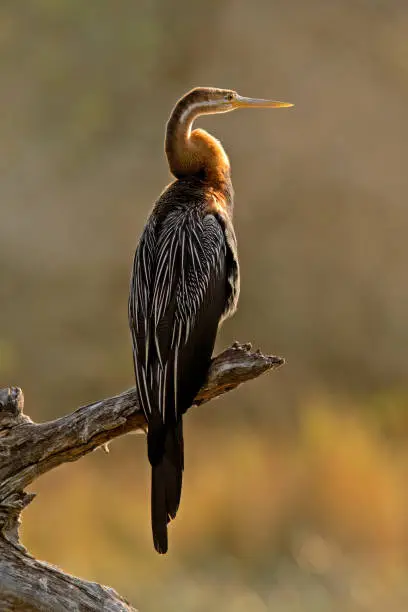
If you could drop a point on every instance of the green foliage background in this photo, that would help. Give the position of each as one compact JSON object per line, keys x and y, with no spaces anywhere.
{"x":295,"y":492}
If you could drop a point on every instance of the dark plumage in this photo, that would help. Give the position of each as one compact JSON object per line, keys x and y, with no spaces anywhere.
{"x":185,"y":282}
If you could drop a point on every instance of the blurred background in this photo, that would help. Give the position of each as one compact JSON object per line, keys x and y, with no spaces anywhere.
{"x":296,"y":485}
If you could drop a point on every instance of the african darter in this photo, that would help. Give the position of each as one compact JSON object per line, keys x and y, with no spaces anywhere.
{"x":185,"y":282}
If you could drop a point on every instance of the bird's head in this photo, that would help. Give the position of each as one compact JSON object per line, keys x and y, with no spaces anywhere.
{"x":213,"y":100}
{"x":189,"y":152}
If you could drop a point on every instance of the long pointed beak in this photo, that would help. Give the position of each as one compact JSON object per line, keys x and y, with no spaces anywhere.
{"x":242,"y":102}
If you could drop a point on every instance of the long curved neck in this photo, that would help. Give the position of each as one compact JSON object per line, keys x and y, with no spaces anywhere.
{"x":194,"y":152}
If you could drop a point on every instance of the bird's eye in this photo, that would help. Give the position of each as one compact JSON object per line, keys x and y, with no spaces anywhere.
{"x":229,"y":97}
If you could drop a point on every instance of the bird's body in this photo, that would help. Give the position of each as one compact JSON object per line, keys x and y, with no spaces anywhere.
{"x":185,"y":282}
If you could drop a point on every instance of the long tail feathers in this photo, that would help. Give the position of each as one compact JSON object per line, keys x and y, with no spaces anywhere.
{"x":166,"y":454}
{"x":159,"y":509}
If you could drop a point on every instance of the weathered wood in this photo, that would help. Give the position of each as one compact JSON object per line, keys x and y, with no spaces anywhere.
{"x":29,"y":449}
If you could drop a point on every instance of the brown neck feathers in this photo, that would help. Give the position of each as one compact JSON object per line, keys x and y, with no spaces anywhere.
{"x":194,"y":152}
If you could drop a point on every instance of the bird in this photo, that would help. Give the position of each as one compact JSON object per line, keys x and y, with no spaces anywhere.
{"x":185,"y":282}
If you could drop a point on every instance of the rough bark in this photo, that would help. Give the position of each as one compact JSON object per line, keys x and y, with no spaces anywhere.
{"x":29,"y":449}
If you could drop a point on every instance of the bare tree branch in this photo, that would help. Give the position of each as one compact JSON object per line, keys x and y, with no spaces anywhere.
{"x":29,"y":449}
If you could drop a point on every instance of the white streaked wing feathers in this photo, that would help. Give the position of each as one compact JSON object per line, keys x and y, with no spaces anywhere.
{"x":171,"y":270}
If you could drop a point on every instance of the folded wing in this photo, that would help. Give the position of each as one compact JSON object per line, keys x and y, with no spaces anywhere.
{"x":177,"y":298}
